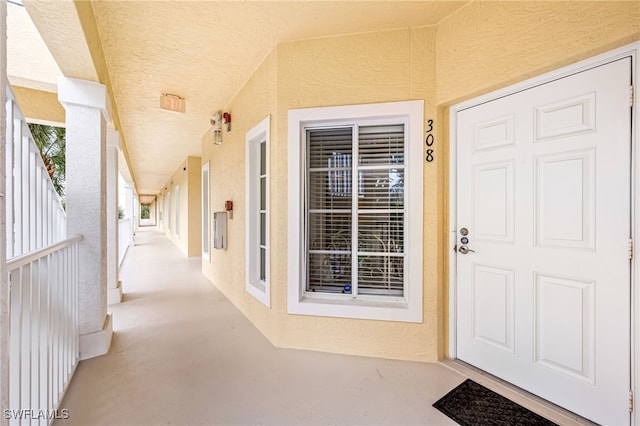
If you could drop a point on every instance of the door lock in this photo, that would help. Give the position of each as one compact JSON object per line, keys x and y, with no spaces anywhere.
{"x":464,"y":249}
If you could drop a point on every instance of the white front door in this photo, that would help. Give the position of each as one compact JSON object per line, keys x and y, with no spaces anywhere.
{"x":543,"y":294}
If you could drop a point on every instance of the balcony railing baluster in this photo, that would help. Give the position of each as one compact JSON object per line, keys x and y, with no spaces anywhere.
{"x":44,"y":329}
{"x":42,"y":270}
{"x":34,"y":214}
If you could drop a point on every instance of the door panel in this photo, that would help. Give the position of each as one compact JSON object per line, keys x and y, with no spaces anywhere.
{"x":493,"y":306}
{"x":565,"y":325}
{"x":543,"y":295}
{"x":565,"y":199}
{"x":493,"y":201}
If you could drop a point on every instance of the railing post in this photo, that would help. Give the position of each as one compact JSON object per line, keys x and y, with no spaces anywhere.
{"x":4,"y":285}
{"x":86,"y":106}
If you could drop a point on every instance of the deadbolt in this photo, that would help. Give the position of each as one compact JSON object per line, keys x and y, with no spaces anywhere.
{"x":464,"y":232}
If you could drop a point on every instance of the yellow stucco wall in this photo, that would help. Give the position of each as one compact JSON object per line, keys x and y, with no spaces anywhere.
{"x":187,"y":177}
{"x":365,"y":68}
{"x":484,"y":46}
{"x":488,"y":45}
{"x":193,"y":198}
{"x":226,"y":270}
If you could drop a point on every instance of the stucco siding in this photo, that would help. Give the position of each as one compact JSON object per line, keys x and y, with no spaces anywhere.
{"x":488,"y":45}
{"x":484,"y":46}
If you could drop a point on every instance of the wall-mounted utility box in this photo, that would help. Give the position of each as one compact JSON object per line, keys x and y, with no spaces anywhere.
{"x":220,"y":230}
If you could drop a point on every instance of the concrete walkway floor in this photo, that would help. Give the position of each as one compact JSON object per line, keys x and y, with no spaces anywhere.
{"x":182,"y":354}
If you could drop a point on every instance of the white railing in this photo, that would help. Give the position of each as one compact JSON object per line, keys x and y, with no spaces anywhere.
{"x":42,"y":270}
{"x":43,"y":316}
{"x":35,"y":216}
{"x":125,"y":235}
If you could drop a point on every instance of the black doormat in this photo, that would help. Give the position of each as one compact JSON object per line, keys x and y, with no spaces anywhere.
{"x":472,"y":404}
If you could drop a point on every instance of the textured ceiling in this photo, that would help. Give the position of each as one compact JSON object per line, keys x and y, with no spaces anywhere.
{"x":203,"y":51}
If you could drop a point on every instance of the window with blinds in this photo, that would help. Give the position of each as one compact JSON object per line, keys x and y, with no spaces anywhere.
{"x":354,"y":210}
{"x":257,"y":211}
{"x":262,"y":212}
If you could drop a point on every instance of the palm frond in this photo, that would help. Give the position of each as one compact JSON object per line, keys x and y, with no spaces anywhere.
{"x":51,"y":142}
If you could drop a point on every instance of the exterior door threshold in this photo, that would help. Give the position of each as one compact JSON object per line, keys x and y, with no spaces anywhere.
{"x":520,"y":396}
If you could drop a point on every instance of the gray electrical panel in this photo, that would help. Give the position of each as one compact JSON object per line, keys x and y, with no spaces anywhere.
{"x":220,"y":230}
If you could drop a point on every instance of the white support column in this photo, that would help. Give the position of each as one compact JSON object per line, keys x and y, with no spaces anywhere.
{"x":128,"y":211}
{"x":86,"y":106}
{"x":4,"y":287}
{"x":153,"y":214}
{"x":114,"y":287}
{"x":136,"y":213}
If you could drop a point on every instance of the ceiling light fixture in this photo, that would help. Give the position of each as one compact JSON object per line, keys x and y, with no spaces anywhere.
{"x":214,"y":132}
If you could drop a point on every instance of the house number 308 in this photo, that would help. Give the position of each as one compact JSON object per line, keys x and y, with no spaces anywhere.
{"x":429,"y":142}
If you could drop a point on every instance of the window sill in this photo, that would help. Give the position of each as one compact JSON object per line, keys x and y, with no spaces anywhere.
{"x":317,"y":305}
{"x":259,"y":291}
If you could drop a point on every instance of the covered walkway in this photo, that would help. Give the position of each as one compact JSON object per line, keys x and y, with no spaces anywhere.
{"x":183,"y":354}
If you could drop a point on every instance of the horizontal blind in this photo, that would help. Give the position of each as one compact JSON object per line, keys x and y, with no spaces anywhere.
{"x":381,"y":144}
{"x":381,"y":210}
{"x":329,"y":220}
{"x":379,"y":218}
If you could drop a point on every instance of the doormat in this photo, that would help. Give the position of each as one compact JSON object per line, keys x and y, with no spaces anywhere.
{"x":472,"y":404}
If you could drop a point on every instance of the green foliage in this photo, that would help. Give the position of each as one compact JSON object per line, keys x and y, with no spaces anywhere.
{"x":120,"y":213}
{"x":51,"y":142}
{"x":145,"y":212}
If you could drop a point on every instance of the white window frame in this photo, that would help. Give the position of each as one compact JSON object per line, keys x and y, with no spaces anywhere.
{"x":407,"y":308}
{"x":258,"y":288}
{"x":206,"y":232}
{"x":168,"y":208}
{"x":176,"y":202}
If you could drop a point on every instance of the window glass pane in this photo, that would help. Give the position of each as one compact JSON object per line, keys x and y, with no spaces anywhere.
{"x":263,"y":264}
{"x":381,"y":189}
{"x":381,"y":275}
{"x":381,"y":144}
{"x":380,"y":216}
{"x":330,"y":148}
{"x":329,"y":196}
{"x":329,"y":273}
{"x":381,"y":232}
{"x":339,"y":176}
{"x":263,"y":193}
{"x":263,"y":229}
{"x":263,"y":158}
{"x":330,"y":231}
